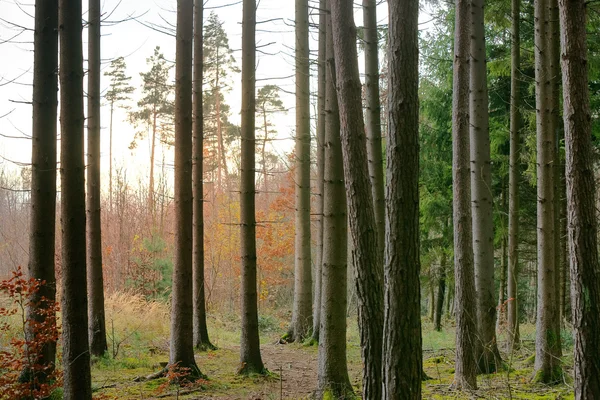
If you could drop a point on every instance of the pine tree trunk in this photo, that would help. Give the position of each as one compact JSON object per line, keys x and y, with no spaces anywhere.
{"x":201,"y":339}
{"x":373,"y":117}
{"x":110,"y":158}
{"x":152,"y":159}
{"x":466,"y":328}
{"x":182,"y":343}
{"x":513,"y":181}
{"x":581,"y":191}
{"x":43,"y":172}
{"x":77,"y":383}
{"x":402,"y":354}
{"x":302,"y":309}
{"x":95,"y":280}
{"x":322,"y":84}
{"x":501,"y":317}
{"x":363,"y":229}
{"x":555,"y":126}
{"x":441,"y":294}
{"x":250,"y":358}
{"x":547,"y":366}
{"x":333,"y":379}
{"x":482,"y":197}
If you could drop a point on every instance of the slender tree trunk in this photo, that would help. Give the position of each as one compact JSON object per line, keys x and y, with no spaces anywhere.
{"x":466,"y":326}
{"x":581,"y":191}
{"x":402,"y":343}
{"x":152,"y":159}
{"x":441,"y":294}
{"x":482,"y":197}
{"x":547,"y":365}
{"x":250,"y":359}
{"x":432,"y":283}
{"x":95,"y":280}
{"x":500,"y":319}
{"x":77,"y":383}
{"x":43,"y":175}
{"x":365,"y":249}
{"x":513,"y":181}
{"x":373,"y":117}
{"x":110,"y":157}
{"x":556,"y":128}
{"x":201,"y":339}
{"x":302,"y":309}
{"x":333,"y":379}
{"x":321,"y":122}
{"x":182,"y":343}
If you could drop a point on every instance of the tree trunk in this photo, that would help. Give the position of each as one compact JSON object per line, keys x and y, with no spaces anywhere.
{"x":95,"y":280}
{"x":201,"y":339}
{"x":553,"y":39}
{"x":250,"y":359}
{"x":402,"y":354}
{"x":373,"y":117}
{"x":513,"y":181}
{"x":581,"y":191}
{"x":182,"y":343}
{"x":321,"y":107}
{"x":501,"y":317}
{"x":76,"y":352}
{"x":302,"y":310}
{"x":547,"y":366}
{"x":441,"y":294}
{"x":482,"y":197}
{"x":466,"y":328}
{"x":110,"y":157}
{"x":333,"y":379}
{"x":43,"y":174}
{"x":369,"y":271}
{"x":152,"y":159}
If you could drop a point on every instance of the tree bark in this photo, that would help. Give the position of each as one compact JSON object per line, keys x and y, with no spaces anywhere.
{"x":363,"y":229}
{"x":201,"y":339}
{"x":514,"y":176}
{"x":77,"y":382}
{"x":95,"y":280}
{"x":373,"y":117}
{"x":182,"y":344}
{"x":581,"y":191}
{"x":441,"y":294}
{"x":482,"y":197}
{"x":547,"y":366}
{"x":250,"y":358}
{"x":321,"y":122}
{"x":402,"y":343}
{"x":500,"y":319}
{"x":333,"y":379}
{"x":302,"y":310}
{"x":43,"y":172}
{"x":466,"y":327}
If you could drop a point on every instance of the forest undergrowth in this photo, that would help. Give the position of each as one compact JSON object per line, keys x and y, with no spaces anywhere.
{"x":138,"y":342}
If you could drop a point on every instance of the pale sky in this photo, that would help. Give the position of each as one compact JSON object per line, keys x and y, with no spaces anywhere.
{"x":135,"y":42}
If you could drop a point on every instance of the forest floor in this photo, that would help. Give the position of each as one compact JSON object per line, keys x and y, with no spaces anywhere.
{"x":138,"y":333}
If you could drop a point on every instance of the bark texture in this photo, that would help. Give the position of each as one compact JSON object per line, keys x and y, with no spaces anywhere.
{"x":373,"y":117}
{"x":302,"y":309}
{"x":321,"y":108}
{"x":201,"y":339}
{"x":95,"y":280}
{"x":182,"y":344}
{"x":43,"y":168}
{"x":77,"y":383}
{"x":363,"y":229}
{"x":581,"y":190}
{"x":514,"y":176}
{"x":481,"y":197}
{"x":250,"y":358}
{"x":441,"y":294}
{"x":466,"y":326}
{"x":402,"y":343}
{"x":333,"y":379}
{"x":547,"y":364}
